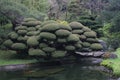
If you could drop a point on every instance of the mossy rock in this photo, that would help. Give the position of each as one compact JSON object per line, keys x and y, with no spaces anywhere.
{"x":8,"y":43}
{"x":70,"y":48}
{"x":86,"y":44}
{"x":47,"y":35}
{"x":48,"y":49}
{"x":52,"y":27}
{"x":32,"y":41}
{"x":86,"y":29}
{"x":92,"y":40}
{"x":33,"y":33}
{"x":90,"y":34}
{"x":65,"y":27}
{"x":76,"y":25}
{"x":13,"y":35}
{"x":31,"y":23}
{"x":20,"y":28}
{"x":31,"y":29}
{"x":36,"y":52}
{"x":19,"y":46}
{"x":21,"y":32}
{"x":96,"y":46}
{"x":48,"y":22}
{"x":43,"y":45}
{"x":77,"y":31}
{"x":62,"y":33}
{"x":59,"y":54}
{"x":29,"y":19}
{"x":61,"y":40}
{"x":82,"y":37}
{"x":72,"y":38}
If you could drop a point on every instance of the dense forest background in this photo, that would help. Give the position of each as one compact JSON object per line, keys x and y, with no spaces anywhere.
{"x":103,"y":16}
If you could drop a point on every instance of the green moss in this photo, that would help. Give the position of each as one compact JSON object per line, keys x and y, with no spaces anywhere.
{"x":36,"y":52}
{"x":20,"y":28}
{"x":70,"y":48}
{"x":59,"y":54}
{"x":43,"y":45}
{"x":96,"y":46}
{"x":52,"y":27}
{"x":73,"y":38}
{"x":86,"y":44}
{"x":47,"y":35}
{"x":32,"y":41}
{"x":77,"y":31}
{"x":19,"y":46}
{"x":49,"y":49}
{"x":21,"y":32}
{"x":76,"y":25}
{"x":90,"y":34}
{"x":8,"y":43}
{"x":62,"y":33}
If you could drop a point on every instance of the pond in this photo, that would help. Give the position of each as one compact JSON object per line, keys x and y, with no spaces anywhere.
{"x":74,"y":71}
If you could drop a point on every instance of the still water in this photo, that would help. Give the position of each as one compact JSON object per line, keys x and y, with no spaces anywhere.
{"x":74,"y":71}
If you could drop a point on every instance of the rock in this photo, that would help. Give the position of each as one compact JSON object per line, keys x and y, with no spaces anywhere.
{"x":98,"y":54}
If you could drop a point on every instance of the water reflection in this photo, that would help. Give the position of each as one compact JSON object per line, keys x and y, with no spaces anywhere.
{"x":66,"y":72}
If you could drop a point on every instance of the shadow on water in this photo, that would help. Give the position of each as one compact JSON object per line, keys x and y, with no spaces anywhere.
{"x":75,"y":71}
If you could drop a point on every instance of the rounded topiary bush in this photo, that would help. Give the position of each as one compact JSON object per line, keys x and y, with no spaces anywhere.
{"x":90,"y":34}
{"x":31,"y":23}
{"x":62,"y":33}
{"x":19,"y":46}
{"x":59,"y":54}
{"x":47,"y":35}
{"x":70,"y":48}
{"x":76,"y":25}
{"x":21,"y":32}
{"x":43,"y":45}
{"x":77,"y":31}
{"x":96,"y":46}
{"x":20,"y":28}
{"x":48,"y":49}
{"x":8,"y":43}
{"x":32,"y":41}
{"x":13,"y":35}
{"x":61,"y":40}
{"x":65,"y":27}
{"x":72,"y":38}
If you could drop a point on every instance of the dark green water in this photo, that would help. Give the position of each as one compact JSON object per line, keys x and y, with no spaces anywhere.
{"x":66,"y":72}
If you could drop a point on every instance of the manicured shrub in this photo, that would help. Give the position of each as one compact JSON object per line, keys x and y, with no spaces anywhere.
{"x":77,"y":31}
{"x":61,"y":40}
{"x":90,"y":34}
{"x":33,"y":33}
{"x":82,"y":37}
{"x":31,"y":23}
{"x":43,"y":45}
{"x":21,"y":32}
{"x":59,"y":54}
{"x":92,"y":40}
{"x":29,"y":19}
{"x":70,"y":48}
{"x":20,"y":28}
{"x":48,"y":22}
{"x":32,"y":41}
{"x":78,"y":45}
{"x":76,"y":25}
{"x":13,"y":35}
{"x":72,"y":38}
{"x":36,"y":52}
{"x":86,"y":44}
{"x":31,"y":29}
{"x":96,"y":46}
{"x":48,"y":49}
{"x":8,"y":43}
{"x":47,"y":35}
{"x":62,"y":33}
{"x":65,"y":27}
{"x":86,"y":29}
{"x":19,"y":46}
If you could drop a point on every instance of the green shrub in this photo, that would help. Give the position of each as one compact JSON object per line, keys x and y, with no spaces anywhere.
{"x":86,"y":29}
{"x":77,"y":31}
{"x":20,"y":28}
{"x":21,"y":32}
{"x":52,"y":27}
{"x":38,"y":27}
{"x":86,"y":44}
{"x":92,"y":40}
{"x":48,"y":22}
{"x":29,"y":19}
{"x":65,"y":27}
{"x":36,"y":52}
{"x":43,"y":45}
{"x":70,"y":48}
{"x":32,"y":41}
{"x":8,"y":43}
{"x":82,"y":37}
{"x":47,"y":35}
{"x":96,"y":46}
{"x":78,"y":46}
{"x":72,"y":38}
{"x":59,"y":54}
{"x":49,"y":49}
{"x":62,"y":33}
{"x":76,"y":25}
{"x":33,"y":33}
{"x":61,"y":40}
{"x":13,"y":35}
{"x":31,"y":23}
{"x":31,"y":29}
{"x":22,"y":39}
{"x":90,"y":34}
{"x":19,"y":46}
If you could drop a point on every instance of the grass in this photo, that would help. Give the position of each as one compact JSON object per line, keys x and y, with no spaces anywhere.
{"x":10,"y":58}
{"x":114,"y":64}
